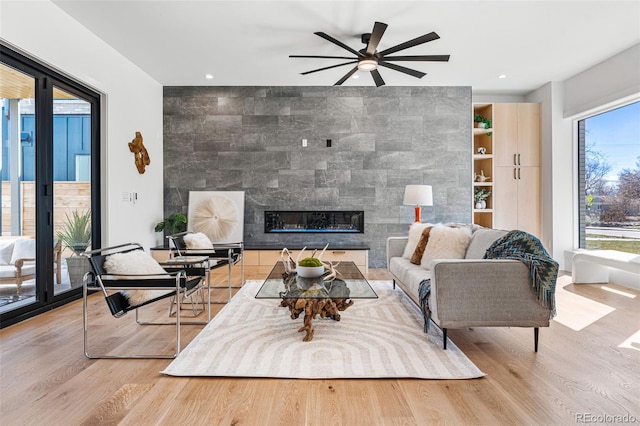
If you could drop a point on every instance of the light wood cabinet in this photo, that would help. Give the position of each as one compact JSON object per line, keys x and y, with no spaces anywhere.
{"x":270,"y":257}
{"x":517,"y":167}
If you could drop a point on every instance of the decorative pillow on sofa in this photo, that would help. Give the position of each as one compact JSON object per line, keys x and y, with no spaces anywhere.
{"x":197,"y":240}
{"x":135,"y":262}
{"x":445,"y":243}
{"x":415,"y":232}
{"x":6,"y":250}
{"x":422,"y":245}
{"x":23,"y":248}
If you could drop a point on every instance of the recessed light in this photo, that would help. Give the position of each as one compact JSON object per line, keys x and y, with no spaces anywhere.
{"x":502,"y":76}
{"x":208,"y":76}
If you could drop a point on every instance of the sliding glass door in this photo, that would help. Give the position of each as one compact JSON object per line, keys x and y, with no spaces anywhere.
{"x":50,"y":186}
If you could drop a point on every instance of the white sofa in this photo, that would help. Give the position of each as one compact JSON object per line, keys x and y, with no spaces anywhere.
{"x":471,"y":292}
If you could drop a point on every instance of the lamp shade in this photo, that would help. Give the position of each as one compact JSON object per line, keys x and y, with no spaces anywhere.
{"x":418,"y":195}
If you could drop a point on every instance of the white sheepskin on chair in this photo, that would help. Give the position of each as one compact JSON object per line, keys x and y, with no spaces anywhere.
{"x":445,"y":243}
{"x":135,"y":262}
{"x":197,"y":240}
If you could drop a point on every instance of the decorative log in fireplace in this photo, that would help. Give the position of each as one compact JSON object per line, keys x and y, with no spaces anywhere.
{"x":351,"y":221}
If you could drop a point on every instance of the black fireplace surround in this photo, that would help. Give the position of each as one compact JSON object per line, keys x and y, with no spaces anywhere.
{"x":351,"y":221}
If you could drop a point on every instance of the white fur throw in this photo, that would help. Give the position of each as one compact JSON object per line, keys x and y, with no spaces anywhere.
{"x":415,"y":232}
{"x":445,"y":243}
{"x":135,"y":262}
{"x":197,"y":240}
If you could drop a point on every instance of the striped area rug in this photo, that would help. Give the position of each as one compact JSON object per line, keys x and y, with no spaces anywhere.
{"x":375,"y":338}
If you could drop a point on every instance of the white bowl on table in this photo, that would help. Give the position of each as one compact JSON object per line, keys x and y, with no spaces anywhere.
{"x":310,"y":271}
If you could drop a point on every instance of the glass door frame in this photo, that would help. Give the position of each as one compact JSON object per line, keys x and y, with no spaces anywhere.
{"x":45,"y":80}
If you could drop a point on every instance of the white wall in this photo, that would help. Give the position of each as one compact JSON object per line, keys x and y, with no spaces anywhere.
{"x":132,"y":101}
{"x":559,"y":225}
{"x":607,"y":82}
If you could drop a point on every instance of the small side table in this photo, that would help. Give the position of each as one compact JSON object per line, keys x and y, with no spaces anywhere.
{"x":194,"y":266}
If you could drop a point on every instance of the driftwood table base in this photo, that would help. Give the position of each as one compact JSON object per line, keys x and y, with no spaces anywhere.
{"x":327,"y":308}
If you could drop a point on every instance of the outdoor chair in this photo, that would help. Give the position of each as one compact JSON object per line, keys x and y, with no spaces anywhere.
{"x":146,"y":284}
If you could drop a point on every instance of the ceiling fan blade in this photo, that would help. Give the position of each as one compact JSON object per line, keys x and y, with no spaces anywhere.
{"x":346,"y":76}
{"x":378,"y":29}
{"x":407,"y":44}
{"x":328,"y":68}
{"x":338,"y":43}
{"x":377,"y":78}
{"x":405,"y":70}
{"x":326,"y":57}
{"x":432,"y":58}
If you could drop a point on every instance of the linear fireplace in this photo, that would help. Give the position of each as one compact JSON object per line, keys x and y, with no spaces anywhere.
{"x":351,"y":221}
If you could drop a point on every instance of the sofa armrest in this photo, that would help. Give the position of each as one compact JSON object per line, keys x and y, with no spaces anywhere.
{"x":395,"y":247}
{"x":491,"y":292}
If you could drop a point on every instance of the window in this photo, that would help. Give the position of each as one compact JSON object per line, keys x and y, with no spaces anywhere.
{"x":609,"y":178}
{"x":49,"y":171}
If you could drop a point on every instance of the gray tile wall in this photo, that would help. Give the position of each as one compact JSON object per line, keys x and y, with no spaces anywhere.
{"x":249,"y":139}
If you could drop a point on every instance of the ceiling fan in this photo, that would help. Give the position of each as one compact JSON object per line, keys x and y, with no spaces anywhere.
{"x":368,"y":59}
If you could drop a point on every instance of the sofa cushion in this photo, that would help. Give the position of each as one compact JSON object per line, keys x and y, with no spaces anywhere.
{"x":422,"y":245}
{"x":481,"y":241}
{"x":23,"y":248}
{"x":9,"y":271}
{"x":415,"y":232}
{"x":409,"y":274}
{"x":6,"y":250}
{"x":445,"y":243}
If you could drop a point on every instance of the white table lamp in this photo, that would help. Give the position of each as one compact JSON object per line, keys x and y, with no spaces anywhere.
{"x":418,"y":195}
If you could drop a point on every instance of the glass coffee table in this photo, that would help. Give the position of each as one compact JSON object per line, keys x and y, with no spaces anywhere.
{"x":314,"y":296}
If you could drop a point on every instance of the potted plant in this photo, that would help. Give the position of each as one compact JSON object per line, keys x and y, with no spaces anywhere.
{"x":75,"y":234}
{"x":480,"y":196}
{"x":482,"y":122}
{"x":172,"y":224}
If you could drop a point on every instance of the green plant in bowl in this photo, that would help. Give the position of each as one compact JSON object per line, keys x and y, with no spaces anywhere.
{"x":310,"y":261}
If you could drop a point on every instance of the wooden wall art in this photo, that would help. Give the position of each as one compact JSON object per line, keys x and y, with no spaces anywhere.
{"x":140,"y":153}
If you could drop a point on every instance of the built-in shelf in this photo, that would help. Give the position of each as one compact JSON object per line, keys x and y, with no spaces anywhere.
{"x":479,"y":131}
{"x":482,"y":141}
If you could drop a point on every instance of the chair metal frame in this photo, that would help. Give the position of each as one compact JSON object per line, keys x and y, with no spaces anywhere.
{"x":98,"y":279}
{"x":223,"y":254}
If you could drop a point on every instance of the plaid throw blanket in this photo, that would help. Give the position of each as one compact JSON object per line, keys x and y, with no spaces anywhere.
{"x":517,"y":245}
{"x":543,"y":270}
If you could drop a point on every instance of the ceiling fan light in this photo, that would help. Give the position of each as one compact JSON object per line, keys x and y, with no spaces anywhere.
{"x":367,"y":64}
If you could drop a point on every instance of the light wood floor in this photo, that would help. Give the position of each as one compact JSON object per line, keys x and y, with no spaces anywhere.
{"x":588,"y":363}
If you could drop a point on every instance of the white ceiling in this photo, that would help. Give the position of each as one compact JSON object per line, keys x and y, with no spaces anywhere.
{"x":247,"y":43}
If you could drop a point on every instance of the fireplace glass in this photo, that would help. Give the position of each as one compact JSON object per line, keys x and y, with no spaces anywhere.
{"x":351,"y":221}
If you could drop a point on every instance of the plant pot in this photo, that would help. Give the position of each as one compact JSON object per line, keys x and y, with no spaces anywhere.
{"x":481,"y":204}
{"x":77,"y":266}
{"x":481,"y":125}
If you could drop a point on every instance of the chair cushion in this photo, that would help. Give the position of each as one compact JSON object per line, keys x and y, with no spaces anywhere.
{"x":481,"y":241}
{"x":6,"y":250}
{"x":445,"y":243}
{"x":23,"y":248}
{"x":197,"y":240}
{"x":135,"y":262}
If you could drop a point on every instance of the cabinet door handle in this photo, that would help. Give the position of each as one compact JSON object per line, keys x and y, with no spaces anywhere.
{"x":518,"y":172}
{"x":518,"y":159}
{"x":514,"y":173}
{"x":339,"y":252}
{"x":514,"y":160}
